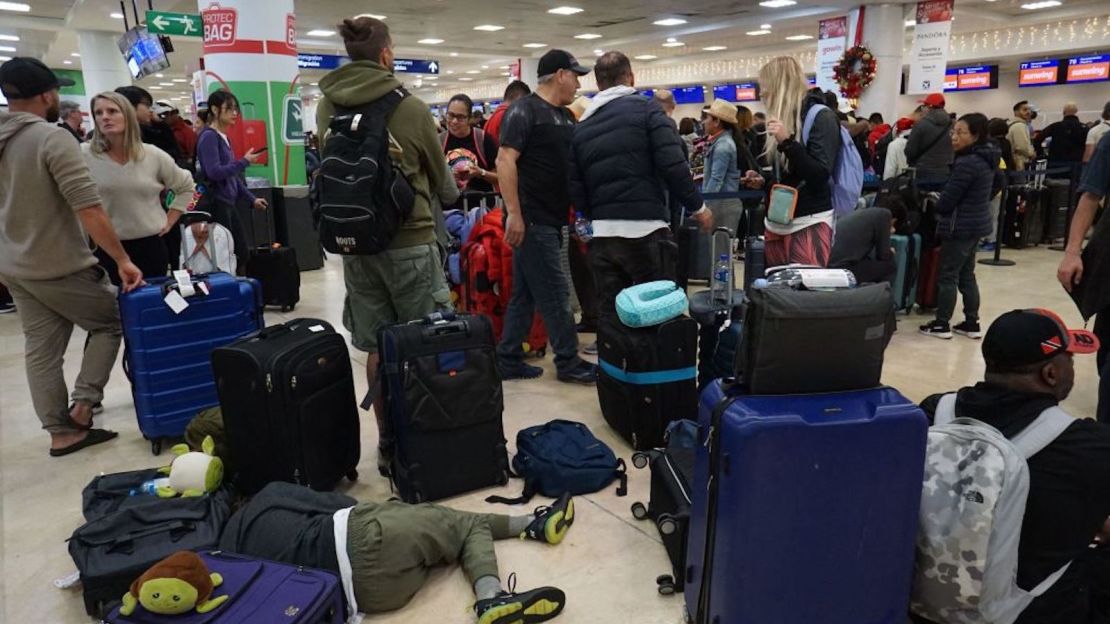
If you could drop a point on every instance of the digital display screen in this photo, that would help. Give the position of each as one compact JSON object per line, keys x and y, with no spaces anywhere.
{"x":742,"y":92}
{"x":647,"y":93}
{"x":1088,"y":69}
{"x":1039,"y":73}
{"x":974,"y":78}
{"x":143,"y":52}
{"x":689,"y":95}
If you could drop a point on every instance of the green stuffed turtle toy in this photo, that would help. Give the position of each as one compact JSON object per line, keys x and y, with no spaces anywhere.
{"x":192,"y":473}
{"x":175,"y":585}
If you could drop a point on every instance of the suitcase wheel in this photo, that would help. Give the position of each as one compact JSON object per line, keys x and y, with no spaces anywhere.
{"x":667,"y":525}
{"x":353,"y":475}
{"x":640,"y":460}
{"x":639,"y":511}
{"x":156,"y":446}
{"x":666,"y":584}
{"x":287,"y":308}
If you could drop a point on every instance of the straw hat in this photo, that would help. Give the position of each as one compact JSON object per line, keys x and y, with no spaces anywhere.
{"x":725,"y":111}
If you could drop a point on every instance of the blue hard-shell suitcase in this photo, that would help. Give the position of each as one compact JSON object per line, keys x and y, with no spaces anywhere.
{"x":259,"y":592}
{"x":804,"y":507}
{"x":168,"y":356}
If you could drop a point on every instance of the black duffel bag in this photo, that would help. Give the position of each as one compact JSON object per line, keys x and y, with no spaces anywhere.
{"x":115,"y":549}
{"x":803,"y":341}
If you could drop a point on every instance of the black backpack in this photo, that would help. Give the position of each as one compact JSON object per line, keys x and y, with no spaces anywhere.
{"x":364,"y":197}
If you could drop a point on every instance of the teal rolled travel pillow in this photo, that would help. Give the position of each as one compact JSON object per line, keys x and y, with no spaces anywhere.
{"x":650,"y":304}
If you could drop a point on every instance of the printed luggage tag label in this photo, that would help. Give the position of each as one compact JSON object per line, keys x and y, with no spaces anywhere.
{"x":176,"y":302}
{"x":316,"y":329}
{"x":184,"y":283}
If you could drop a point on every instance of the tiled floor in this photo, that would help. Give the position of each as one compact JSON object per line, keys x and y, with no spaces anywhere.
{"x":609,"y":561}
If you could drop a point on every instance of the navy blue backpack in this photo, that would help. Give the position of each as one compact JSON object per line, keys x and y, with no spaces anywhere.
{"x":563,"y":456}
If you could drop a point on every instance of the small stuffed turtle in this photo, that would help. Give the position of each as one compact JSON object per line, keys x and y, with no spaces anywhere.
{"x":175,"y":585}
{"x":192,"y":473}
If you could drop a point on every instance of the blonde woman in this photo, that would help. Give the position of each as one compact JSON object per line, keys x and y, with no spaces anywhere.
{"x":804,"y":165}
{"x":131,"y":177}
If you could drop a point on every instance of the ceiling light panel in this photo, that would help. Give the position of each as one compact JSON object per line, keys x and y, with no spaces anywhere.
{"x":371,"y":15}
{"x":535,"y":45}
{"x":714,"y":48}
{"x":757,"y":33}
{"x":430,"y":41}
{"x":4,"y":48}
{"x":17,"y":7}
{"x":673,"y":44}
{"x":670,"y":21}
{"x":799,"y":37}
{"x":116,"y":15}
{"x":320,"y":33}
{"x":565,"y":10}
{"x":777,"y":4}
{"x":489,"y":27}
{"x":9,"y":38}
{"x":588,"y":36}
{"x":645,"y":57}
{"x":1046,"y":4}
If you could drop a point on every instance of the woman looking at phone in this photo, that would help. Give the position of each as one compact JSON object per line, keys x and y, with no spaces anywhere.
{"x":222,"y":174}
{"x":804,"y":167}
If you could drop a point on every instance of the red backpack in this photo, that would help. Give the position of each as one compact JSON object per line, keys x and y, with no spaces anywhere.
{"x":486,"y":264}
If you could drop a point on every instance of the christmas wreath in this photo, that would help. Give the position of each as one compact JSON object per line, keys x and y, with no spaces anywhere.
{"x":855,"y":71}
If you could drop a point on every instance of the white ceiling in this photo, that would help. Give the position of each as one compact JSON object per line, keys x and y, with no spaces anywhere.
{"x":48,"y":31}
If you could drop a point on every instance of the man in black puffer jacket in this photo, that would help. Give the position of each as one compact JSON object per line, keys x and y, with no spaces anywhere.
{"x":625,"y":156}
{"x":929,"y":148}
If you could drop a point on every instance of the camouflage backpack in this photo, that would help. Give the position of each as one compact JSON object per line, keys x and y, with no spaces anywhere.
{"x":972,"y":508}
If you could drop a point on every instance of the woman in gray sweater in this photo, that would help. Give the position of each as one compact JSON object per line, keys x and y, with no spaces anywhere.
{"x":131,"y":177}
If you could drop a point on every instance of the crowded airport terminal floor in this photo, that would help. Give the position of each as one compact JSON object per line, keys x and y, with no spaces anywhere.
{"x":421,"y":311}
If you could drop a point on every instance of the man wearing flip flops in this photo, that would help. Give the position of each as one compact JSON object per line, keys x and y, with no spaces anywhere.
{"x":384,"y":552}
{"x":49,"y":207}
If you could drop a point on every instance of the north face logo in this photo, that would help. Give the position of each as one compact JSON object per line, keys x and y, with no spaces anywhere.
{"x":974,"y":497}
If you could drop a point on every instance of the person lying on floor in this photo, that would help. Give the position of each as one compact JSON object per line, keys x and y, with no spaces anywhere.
{"x":383,"y":552}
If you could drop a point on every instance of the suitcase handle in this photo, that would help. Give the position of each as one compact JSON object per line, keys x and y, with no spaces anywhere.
{"x":446,"y":331}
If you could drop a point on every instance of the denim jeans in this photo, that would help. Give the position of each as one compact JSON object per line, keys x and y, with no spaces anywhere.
{"x":539,"y":282}
{"x":957,"y":271}
{"x":618,"y":263}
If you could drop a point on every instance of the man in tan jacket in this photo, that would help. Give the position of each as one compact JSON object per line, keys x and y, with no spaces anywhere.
{"x":1019,"y":137}
{"x":48,"y":202}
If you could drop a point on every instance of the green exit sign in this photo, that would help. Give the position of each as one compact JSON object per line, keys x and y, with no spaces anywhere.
{"x":180,"y":24}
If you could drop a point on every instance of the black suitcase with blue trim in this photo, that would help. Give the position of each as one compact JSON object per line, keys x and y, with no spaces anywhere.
{"x":647,"y":378}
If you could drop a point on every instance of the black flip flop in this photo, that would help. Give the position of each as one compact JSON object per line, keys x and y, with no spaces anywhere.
{"x":94,"y":437}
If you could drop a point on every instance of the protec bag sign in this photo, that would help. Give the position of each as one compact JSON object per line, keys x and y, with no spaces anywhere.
{"x":221,"y":27}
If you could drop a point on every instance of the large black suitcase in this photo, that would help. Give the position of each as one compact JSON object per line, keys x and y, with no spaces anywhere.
{"x":672,"y":474}
{"x":695,"y":260}
{"x":277,"y":270}
{"x":647,"y":378}
{"x":1025,"y":218}
{"x":803,"y":341}
{"x":113,"y":550}
{"x":443,"y":404}
{"x":289,"y":409}
{"x":297,"y":228}
{"x":1057,"y":202}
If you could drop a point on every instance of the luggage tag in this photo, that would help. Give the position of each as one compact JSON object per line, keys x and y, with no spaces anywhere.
{"x":175,"y":299}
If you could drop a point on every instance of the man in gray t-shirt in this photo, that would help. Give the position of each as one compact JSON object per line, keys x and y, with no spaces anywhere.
{"x":49,"y":206}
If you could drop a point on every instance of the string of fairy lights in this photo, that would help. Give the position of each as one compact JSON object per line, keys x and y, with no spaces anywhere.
{"x":1076,"y":33}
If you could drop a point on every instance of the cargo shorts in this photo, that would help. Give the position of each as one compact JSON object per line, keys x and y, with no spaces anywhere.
{"x":392,"y":287}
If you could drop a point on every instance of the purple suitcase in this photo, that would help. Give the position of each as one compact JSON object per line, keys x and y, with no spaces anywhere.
{"x":262,"y":592}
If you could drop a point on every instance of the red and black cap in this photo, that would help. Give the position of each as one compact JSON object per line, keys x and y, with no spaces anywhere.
{"x":1024,"y":337}
{"x":22,"y":78}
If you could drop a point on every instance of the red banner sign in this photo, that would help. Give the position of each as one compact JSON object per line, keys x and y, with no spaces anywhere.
{"x":221,"y":27}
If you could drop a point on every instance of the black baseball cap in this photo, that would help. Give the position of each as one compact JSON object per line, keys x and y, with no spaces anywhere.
{"x":1024,"y":337}
{"x":555,"y":60}
{"x":22,"y":78}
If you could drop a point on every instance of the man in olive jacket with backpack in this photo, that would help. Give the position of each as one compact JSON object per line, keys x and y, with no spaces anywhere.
{"x":404,"y":282}
{"x":1029,"y":373}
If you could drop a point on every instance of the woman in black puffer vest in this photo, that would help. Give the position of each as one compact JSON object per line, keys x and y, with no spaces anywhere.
{"x":963,"y":217}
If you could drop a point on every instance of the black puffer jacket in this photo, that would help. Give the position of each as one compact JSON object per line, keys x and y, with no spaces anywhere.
{"x":964,"y":208}
{"x":809,"y":165}
{"x":623,"y":157}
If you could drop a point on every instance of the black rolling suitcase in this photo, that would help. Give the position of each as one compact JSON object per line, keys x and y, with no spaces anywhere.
{"x":672,"y":472}
{"x":277,"y":270}
{"x":1025,"y":210}
{"x":288,"y":401}
{"x":712,"y":315}
{"x":647,"y":377}
{"x":1057,"y":198}
{"x":443,"y":405}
